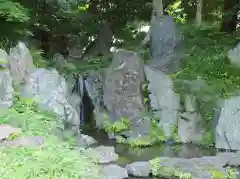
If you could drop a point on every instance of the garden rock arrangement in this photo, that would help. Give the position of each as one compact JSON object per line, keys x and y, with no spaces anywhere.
{"x":117,"y":94}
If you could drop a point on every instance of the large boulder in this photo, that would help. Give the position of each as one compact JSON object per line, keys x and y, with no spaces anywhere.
{"x":94,"y":85}
{"x":233,"y":56}
{"x":165,"y":44}
{"x":227,"y":130}
{"x":21,"y":63}
{"x":190,"y":128}
{"x":163,"y":100}
{"x":49,"y":91}
{"x":198,"y":168}
{"x":6,"y":88}
{"x":122,"y":89}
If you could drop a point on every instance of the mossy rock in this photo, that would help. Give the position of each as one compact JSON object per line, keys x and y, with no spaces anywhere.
{"x":187,"y":168}
{"x":122,"y":124}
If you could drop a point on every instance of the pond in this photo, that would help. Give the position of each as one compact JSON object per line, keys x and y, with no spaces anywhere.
{"x":129,"y":155}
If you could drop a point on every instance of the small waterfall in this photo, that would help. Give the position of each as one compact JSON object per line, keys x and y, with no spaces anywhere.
{"x":86,"y":106}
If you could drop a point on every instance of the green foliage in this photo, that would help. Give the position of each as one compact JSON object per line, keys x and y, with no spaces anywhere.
{"x":155,"y":136}
{"x":208,"y":139}
{"x":205,"y":56}
{"x":175,"y":136}
{"x":54,"y":159}
{"x":118,"y":126}
{"x":168,"y":172}
{"x":232,"y":173}
{"x":216,"y":174}
{"x":13,"y":11}
{"x":176,"y":10}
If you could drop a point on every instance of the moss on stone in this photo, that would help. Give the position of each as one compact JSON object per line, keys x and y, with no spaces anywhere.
{"x":182,"y":175}
{"x":216,"y":174}
{"x":175,"y":135}
{"x":167,"y":172}
{"x":207,"y":139}
{"x":155,"y":136}
{"x":231,"y":173}
{"x":118,"y":126}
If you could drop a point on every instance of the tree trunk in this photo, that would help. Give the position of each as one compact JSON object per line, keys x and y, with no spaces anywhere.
{"x":199,"y":12}
{"x":157,"y":12}
{"x":158,"y":8}
{"x":229,"y":21}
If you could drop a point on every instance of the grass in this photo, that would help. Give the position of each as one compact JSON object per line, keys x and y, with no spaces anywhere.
{"x":56,"y":159}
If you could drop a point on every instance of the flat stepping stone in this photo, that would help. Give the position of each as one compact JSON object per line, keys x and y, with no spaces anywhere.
{"x":28,"y":141}
{"x":6,"y":131}
{"x":113,"y":171}
{"x":139,"y":169}
{"x":106,"y":154}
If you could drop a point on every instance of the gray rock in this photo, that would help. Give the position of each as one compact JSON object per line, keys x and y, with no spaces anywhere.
{"x":190,"y":127}
{"x":113,"y":172}
{"x":138,"y":169}
{"x":190,"y":103}
{"x":59,"y":60}
{"x":4,"y":59}
{"x":85,"y":140}
{"x":196,"y":168}
{"x":122,"y":92}
{"x":139,"y":127}
{"x":21,"y":63}
{"x":233,"y":56}
{"x":106,"y":154}
{"x":163,"y":99}
{"x":94,"y":84}
{"x":165,"y":44}
{"x":102,"y":43}
{"x":74,"y":100}
{"x":76,"y":51}
{"x":227,"y":130}
{"x":6,"y":89}
{"x":233,"y":159}
{"x":27,"y":141}
{"x":49,"y":91}
{"x":6,"y":131}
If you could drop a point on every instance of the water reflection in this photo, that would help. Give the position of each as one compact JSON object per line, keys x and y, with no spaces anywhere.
{"x":129,"y":155}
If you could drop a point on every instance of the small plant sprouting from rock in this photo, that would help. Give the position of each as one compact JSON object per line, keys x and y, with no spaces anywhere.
{"x":160,"y":171}
{"x":155,"y":165}
{"x":155,"y":136}
{"x":232,"y":173}
{"x":175,"y":135}
{"x":145,"y":93}
{"x":182,"y":175}
{"x":207,"y":139}
{"x":118,"y":126}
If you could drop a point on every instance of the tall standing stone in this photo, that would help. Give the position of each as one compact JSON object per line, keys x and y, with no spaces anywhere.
{"x":6,"y":88}
{"x":49,"y":91}
{"x":165,"y":44}
{"x":228,"y":125}
{"x":21,"y":63}
{"x":122,"y":90}
{"x":164,"y":101}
